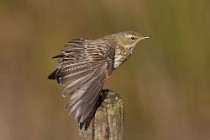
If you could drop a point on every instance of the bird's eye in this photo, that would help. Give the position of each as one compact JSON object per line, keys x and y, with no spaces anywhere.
{"x":133,"y":38}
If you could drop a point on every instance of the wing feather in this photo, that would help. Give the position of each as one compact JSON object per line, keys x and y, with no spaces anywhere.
{"x":75,"y":85}
{"x":86,"y":89}
{"x":84,"y":65}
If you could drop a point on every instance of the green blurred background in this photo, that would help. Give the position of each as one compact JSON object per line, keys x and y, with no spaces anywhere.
{"x":165,"y":84}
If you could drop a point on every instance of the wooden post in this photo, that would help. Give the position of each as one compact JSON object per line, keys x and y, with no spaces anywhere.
{"x":108,"y":121}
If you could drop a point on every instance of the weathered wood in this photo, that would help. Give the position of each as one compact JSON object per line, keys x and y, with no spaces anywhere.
{"x":108,"y":121}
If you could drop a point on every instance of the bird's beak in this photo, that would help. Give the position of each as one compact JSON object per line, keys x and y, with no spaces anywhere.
{"x":145,"y":37}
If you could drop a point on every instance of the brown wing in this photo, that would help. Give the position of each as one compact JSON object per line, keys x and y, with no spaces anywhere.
{"x":84,"y":65}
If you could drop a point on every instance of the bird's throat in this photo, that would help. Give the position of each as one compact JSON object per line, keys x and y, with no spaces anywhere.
{"x":121,"y":56}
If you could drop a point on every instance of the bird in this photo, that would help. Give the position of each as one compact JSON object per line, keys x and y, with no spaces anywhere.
{"x":84,"y":64}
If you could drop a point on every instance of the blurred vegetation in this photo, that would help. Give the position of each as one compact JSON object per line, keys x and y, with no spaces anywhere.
{"x":165,"y":85}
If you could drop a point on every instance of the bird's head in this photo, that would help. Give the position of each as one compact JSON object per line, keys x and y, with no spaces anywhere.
{"x":128,"y":39}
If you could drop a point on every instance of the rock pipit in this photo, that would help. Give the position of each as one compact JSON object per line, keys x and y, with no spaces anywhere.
{"x":85,"y":64}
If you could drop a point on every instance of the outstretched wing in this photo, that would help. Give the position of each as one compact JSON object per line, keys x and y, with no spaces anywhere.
{"x":84,"y":65}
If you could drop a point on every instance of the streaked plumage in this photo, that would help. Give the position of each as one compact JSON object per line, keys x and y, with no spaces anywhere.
{"x":85,"y":64}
